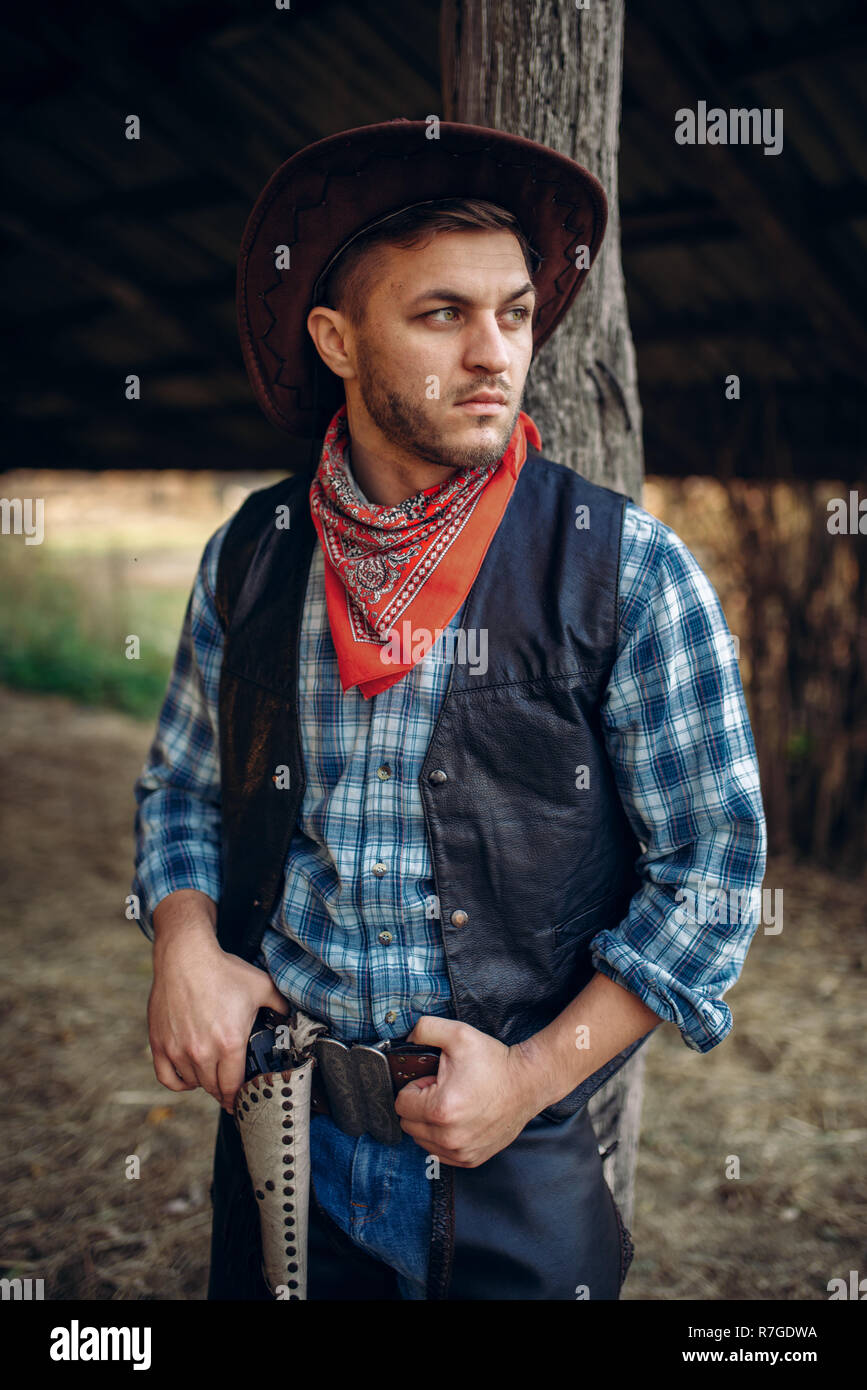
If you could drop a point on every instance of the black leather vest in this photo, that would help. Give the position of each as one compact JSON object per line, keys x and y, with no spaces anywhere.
{"x":532,"y":852}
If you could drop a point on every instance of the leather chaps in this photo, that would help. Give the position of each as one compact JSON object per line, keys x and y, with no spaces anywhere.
{"x":537,"y":1221}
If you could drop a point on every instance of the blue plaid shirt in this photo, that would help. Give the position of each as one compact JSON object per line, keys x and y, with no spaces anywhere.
{"x":355,"y":937}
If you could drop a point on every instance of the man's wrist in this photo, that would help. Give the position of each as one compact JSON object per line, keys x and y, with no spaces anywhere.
{"x":186,"y":917}
{"x":543,"y":1080}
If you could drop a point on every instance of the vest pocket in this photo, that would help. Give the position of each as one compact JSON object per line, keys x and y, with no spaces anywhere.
{"x":573,"y":930}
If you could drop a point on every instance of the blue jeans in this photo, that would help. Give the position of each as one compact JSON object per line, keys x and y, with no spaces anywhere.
{"x":379,"y":1196}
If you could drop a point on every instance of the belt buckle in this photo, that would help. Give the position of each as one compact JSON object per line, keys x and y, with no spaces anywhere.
{"x":360,"y":1090}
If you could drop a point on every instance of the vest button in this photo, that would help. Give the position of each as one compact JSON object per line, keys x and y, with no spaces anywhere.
{"x":459,"y":918}
{"x":437,"y":776}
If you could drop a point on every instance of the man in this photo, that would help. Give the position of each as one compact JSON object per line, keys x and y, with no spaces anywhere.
{"x":451,"y":736}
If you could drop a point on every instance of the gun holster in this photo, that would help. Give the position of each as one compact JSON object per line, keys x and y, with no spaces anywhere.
{"x":272,"y":1112}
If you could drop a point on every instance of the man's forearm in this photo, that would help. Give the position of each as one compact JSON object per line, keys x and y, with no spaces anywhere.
{"x":599,"y":1023}
{"x":185,"y":915}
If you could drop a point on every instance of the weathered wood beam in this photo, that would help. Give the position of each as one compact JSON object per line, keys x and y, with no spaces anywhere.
{"x":105,"y":275}
{"x":804,"y":45}
{"x":195,"y":192}
{"x":33,"y":324}
{"x":732,"y":321}
{"x":689,"y":219}
{"x":841,"y":465}
{"x":819,"y":429}
{"x":162,"y":40}
{"x":117,"y":73}
{"x":186,"y":446}
{"x":680,"y":220}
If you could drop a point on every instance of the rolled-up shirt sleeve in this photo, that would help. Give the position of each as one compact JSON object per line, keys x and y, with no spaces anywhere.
{"x":677,"y":733}
{"x":177,"y":823}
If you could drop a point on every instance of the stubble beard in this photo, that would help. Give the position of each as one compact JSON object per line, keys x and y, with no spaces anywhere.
{"x":404,"y":422}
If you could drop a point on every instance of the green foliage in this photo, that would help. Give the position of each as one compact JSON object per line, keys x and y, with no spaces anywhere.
{"x":62,"y":630}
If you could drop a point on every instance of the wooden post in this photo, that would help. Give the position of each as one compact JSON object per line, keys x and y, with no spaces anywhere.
{"x":551,"y":71}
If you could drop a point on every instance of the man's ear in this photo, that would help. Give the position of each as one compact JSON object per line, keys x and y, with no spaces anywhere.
{"x":328,"y":328}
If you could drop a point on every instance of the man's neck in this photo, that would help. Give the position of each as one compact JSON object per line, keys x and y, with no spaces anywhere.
{"x":385,"y":482}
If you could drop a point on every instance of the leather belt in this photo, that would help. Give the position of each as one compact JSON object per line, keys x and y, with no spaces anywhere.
{"x":356,"y":1085}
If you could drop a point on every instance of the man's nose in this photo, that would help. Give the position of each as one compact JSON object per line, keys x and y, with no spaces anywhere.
{"x":486,"y":347}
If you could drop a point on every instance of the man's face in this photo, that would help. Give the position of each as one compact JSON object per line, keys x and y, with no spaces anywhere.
{"x":443,"y":323}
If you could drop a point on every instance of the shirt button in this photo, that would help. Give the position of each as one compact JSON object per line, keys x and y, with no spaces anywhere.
{"x":437,"y":776}
{"x":386,"y":938}
{"x":383,"y":772}
{"x":391,"y":1016}
{"x":379,"y":868}
{"x":459,"y":918}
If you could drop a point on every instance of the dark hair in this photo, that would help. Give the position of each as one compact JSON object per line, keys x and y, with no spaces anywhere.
{"x":347,"y":283}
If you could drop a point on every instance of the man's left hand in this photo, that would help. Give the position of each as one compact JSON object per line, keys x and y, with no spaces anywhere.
{"x":478,"y":1102}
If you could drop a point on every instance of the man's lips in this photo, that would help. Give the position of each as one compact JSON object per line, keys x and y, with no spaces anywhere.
{"x":484,"y":403}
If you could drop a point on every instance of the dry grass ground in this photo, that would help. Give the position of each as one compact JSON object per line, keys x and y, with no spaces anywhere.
{"x":784,"y":1094}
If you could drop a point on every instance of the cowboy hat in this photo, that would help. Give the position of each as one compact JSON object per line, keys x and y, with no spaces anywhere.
{"x":330,"y":192}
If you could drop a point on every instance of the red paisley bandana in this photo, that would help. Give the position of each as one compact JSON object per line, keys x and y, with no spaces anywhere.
{"x":395,"y":575}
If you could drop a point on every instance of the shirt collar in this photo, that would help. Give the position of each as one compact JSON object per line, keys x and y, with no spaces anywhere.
{"x":353,"y":482}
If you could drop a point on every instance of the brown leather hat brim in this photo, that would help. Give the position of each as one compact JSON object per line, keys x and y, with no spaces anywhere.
{"x":328,"y":191}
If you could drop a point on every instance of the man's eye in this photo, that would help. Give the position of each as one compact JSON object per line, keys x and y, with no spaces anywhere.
{"x":521,"y":310}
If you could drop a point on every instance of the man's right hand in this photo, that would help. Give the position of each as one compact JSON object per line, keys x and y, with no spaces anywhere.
{"x":203,"y":1001}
